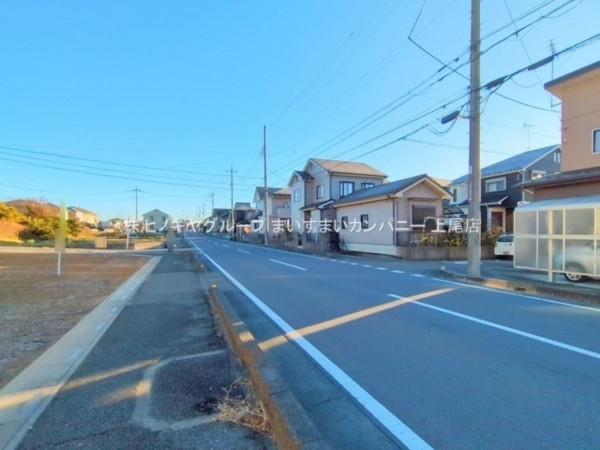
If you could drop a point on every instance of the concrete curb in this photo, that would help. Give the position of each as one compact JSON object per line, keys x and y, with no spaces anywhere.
{"x":290,"y":425}
{"x":529,"y":287}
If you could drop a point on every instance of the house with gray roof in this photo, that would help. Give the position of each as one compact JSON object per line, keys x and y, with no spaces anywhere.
{"x":501,"y":188}
{"x":320,"y":183}
{"x":275,"y":212}
{"x":374,"y":220}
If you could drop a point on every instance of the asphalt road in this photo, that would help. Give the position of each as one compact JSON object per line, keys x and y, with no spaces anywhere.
{"x":433,"y":363}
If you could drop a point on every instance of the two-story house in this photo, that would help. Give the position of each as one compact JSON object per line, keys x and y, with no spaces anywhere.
{"x":579,"y":176}
{"x":501,"y":188}
{"x":319,"y":184}
{"x":276,"y":212}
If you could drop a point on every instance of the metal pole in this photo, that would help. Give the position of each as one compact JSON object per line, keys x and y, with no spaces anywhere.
{"x":474,"y":225}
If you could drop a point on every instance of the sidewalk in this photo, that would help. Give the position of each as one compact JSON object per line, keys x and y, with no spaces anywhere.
{"x":151,"y":380}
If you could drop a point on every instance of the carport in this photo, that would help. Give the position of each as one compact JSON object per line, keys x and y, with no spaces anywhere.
{"x":559,"y":236}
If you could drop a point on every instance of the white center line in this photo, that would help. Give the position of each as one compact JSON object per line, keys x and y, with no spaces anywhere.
{"x":380,"y":268}
{"x":243,"y":251}
{"x":417,"y":275}
{"x":535,"y":337}
{"x":398,"y":271}
{"x":286,"y":264}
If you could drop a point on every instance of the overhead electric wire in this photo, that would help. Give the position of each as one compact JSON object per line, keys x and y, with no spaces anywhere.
{"x":134,"y":166}
{"x":106,"y":175}
{"x":382,"y":112}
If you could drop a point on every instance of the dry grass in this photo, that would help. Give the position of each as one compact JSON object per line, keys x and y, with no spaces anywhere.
{"x":237,"y":406}
{"x":37,"y":307}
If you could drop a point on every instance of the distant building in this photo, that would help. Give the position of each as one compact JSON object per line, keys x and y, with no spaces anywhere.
{"x":156,"y":220}
{"x":83,"y":216}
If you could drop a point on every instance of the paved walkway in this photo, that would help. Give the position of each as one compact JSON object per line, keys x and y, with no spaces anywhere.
{"x":151,"y":380}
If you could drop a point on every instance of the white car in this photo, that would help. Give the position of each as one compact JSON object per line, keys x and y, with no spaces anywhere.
{"x":505,"y":246}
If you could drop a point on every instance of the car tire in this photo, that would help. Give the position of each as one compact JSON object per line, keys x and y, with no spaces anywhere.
{"x":573,"y":276}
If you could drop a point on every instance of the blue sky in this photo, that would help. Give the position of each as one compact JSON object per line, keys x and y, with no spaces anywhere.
{"x":101,"y":98}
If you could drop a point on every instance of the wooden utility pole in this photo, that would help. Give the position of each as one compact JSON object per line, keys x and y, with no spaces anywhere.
{"x":136,"y":204}
{"x":266,"y":202}
{"x":474,"y":217}
{"x":212,"y":211}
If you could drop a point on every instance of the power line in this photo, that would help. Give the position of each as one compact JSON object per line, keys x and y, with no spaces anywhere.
{"x":113,"y":163}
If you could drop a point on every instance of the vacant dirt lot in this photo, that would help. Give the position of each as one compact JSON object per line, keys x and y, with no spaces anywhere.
{"x":37,"y":307}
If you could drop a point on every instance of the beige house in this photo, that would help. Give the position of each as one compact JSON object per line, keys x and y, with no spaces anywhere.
{"x":279,"y":212}
{"x":579,"y":92}
{"x":83,"y":216}
{"x":322,"y":182}
{"x":376,"y":220}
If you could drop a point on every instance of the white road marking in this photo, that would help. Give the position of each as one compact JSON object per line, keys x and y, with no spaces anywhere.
{"x":535,"y":337}
{"x":115,"y":309}
{"x":398,"y":271}
{"x":354,"y":264}
{"x":99,"y":326}
{"x":380,"y":268}
{"x":516,"y":294}
{"x":286,"y":264}
{"x":417,"y":275}
{"x":366,"y":265}
{"x":243,"y":251}
{"x":76,"y":354}
{"x":387,"y":419}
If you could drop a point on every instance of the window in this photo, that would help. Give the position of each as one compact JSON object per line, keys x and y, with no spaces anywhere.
{"x":366,"y":185}
{"x":297,"y":195}
{"x":364,"y":221}
{"x":344,"y":224}
{"x":422,"y":212}
{"x":320,"y":191}
{"x":495,"y":185}
{"x":556,"y":156}
{"x":535,"y":174}
{"x":596,"y":148}
{"x":346,"y":188}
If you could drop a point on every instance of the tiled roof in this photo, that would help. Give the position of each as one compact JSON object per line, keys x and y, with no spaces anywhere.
{"x":382,"y":190}
{"x":261,"y":191}
{"x":587,"y":174}
{"x":317,"y":205}
{"x":304,"y":175}
{"x":283,"y":191}
{"x":512,"y":164}
{"x":347,"y":167}
{"x":572,"y":75}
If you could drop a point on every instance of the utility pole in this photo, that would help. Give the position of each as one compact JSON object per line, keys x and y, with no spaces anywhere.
{"x":212,"y":196}
{"x":474,"y":217}
{"x":136,"y":203}
{"x":232,"y":210}
{"x":266,"y":203}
